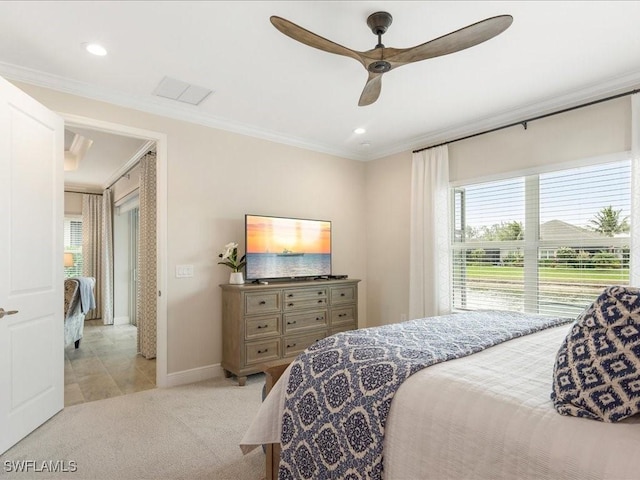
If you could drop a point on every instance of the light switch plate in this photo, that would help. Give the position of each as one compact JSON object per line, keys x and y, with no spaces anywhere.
{"x":184,"y":271}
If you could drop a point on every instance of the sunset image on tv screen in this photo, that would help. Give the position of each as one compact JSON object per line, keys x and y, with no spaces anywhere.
{"x":275,"y":235}
{"x":287,"y":247}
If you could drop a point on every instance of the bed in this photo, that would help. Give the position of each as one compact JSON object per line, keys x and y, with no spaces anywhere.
{"x":485,"y":415}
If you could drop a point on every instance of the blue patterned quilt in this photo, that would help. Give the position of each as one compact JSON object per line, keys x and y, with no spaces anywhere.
{"x":340,"y":389}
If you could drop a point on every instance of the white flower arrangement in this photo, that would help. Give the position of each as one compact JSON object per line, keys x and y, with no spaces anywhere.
{"x":229,"y":257}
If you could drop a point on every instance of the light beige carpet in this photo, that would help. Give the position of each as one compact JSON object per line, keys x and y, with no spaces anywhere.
{"x":187,"y":432}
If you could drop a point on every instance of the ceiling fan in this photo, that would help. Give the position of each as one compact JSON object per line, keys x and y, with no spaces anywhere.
{"x":381,"y":59}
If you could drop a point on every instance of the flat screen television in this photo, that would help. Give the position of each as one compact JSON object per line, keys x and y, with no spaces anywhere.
{"x":286,"y":248}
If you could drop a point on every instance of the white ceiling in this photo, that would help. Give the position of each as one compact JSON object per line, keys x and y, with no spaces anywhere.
{"x":107,"y":159}
{"x":555,"y":54}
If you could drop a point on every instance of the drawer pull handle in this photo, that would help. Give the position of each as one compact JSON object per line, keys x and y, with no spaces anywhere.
{"x":262,"y":302}
{"x":290,"y":295}
{"x":291,"y":305}
{"x":263,"y":351}
{"x":263,"y":326}
{"x":342,"y":294}
{"x":291,"y":346}
{"x":342,"y":315}
{"x":320,"y":301}
{"x":292,"y":323}
{"x":320,"y":293}
{"x":319,"y":319}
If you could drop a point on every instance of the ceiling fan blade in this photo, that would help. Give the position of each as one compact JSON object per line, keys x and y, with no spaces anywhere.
{"x":371,"y":90}
{"x":466,"y":37}
{"x":309,"y":38}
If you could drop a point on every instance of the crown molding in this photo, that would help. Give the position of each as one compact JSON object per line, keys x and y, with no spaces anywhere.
{"x":160,"y":107}
{"x":190,"y":114}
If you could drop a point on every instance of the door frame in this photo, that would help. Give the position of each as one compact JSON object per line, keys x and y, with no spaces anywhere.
{"x":160,"y":140}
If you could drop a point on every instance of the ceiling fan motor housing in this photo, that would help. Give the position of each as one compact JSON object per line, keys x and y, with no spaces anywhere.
{"x":379,"y":22}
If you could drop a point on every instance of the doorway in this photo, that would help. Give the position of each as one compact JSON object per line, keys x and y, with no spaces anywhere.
{"x":119,"y":340}
{"x":126,"y":224}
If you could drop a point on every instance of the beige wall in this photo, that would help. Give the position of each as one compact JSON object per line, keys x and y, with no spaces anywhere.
{"x":388,"y":191}
{"x":238,"y":175}
{"x":587,"y":132}
{"x":214,"y":178}
{"x":72,"y":203}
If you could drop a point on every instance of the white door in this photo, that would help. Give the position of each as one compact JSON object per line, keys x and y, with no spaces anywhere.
{"x":31,"y":266}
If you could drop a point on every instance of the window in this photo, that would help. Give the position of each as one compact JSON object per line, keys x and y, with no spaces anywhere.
{"x":545,"y":243}
{"x":73,"y":245}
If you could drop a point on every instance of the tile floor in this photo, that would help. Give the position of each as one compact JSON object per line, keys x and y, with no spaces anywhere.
{"x":106,"y":364}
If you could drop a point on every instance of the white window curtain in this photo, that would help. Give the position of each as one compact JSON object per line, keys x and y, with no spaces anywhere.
{"x":634,"y":271}
{"x":429,"y":257}
{"x":107,"y":257}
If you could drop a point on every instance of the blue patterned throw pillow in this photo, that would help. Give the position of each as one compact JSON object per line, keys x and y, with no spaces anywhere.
{"x":597,"y":369}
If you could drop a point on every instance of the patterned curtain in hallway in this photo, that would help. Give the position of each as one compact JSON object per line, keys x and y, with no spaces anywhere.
{"x":92,"y":236}
{"x":147,"y":254}
{"x":107,"y":257}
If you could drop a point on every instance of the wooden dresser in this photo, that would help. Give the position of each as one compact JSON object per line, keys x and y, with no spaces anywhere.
{"x":264,"y":323}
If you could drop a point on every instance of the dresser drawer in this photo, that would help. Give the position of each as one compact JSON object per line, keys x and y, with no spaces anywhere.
{"x":345,"y":294}
{"x":262,"y":326}
{"x":261,"y":302}
{"x":264,"y":351}
{"x":305,"y":293}
{"x":295,"y":345}
{"x":305,"y":303}
{"x":304,"y":321}
{"x":267,"y":323}
{"x":343,"y":315}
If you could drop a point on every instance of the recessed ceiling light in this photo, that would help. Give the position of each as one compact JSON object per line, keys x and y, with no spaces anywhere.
{"x":96,"y":49}
{"x":359,"y":131}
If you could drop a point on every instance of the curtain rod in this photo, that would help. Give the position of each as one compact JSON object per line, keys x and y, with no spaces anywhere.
{"x":128,"y":170}
{"x":525,"y":122}
{"x":125,"y":174}
{"x":83,"y":193}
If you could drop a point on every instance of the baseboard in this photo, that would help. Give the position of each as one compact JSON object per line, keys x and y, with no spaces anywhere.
{"x":121,"y":320}
{"x":194,"y":375}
